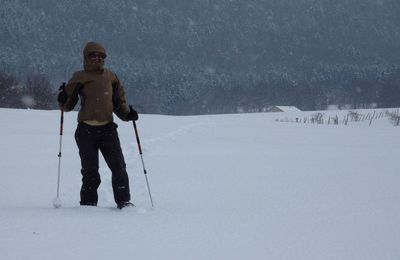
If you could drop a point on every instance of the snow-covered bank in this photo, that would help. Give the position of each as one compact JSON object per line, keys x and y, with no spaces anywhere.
{"x":225,"y":187}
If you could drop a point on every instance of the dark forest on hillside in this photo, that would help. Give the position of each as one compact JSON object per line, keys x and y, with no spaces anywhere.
{"x":198,"y":57}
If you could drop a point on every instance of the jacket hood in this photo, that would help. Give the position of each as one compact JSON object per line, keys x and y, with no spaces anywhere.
{"x":89,"y":48}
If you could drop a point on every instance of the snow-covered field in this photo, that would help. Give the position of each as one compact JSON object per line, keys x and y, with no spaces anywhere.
{"x":242,"y":186}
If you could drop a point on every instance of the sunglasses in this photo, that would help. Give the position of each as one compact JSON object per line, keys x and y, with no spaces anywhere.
{"x":96,"y":56}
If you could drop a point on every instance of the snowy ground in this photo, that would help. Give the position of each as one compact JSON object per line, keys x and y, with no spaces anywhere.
{"x":238,"y":186}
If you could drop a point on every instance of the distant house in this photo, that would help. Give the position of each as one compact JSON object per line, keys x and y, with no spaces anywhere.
{"x":283,"y":109}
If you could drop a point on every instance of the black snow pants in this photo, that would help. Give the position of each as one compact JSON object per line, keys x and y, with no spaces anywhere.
{"x":91,"y":139}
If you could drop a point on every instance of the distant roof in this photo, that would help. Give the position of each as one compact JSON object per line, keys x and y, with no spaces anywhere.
{"x":285,"y":109}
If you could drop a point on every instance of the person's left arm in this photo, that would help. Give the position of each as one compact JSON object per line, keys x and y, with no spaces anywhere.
{"x":121,"y":108}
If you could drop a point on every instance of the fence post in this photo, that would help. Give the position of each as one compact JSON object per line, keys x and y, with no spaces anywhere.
{"x":370,"y":121}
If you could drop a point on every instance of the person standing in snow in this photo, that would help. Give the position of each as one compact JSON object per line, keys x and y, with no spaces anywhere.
{"x":101,"y":94}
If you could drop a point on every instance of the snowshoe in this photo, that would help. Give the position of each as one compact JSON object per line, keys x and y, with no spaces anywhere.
{"x":125,"y":205}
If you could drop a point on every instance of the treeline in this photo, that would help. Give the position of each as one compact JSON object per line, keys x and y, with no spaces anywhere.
{"x":34,"y":91}
{"x":213,"y":92}
{"x":220,"y":56}
{"x":221,"y":93}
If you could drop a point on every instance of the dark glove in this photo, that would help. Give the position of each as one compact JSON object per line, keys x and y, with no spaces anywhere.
{"x":132,"y":115}
{"x":62,"y":95}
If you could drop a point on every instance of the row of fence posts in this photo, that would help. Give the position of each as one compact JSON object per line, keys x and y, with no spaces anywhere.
{"x":352,"y":116}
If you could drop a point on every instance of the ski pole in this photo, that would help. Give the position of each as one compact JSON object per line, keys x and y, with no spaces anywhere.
{"x":57,"y":201}
{"x":141,"y":156}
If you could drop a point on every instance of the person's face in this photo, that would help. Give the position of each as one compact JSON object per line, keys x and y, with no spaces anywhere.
{"x":96,"y":57}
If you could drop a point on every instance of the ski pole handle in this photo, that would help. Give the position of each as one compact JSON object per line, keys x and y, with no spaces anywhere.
{"x":62,"y":87}
{"x":137,"y":138}
{"x":62,"y":121}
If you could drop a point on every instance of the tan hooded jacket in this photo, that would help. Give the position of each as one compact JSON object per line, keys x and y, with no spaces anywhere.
{"x":98,"y":89}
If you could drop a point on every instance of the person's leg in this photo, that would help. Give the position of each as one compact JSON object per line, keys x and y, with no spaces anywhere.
{"x":86,"y":139}
{"x":110,"y":147}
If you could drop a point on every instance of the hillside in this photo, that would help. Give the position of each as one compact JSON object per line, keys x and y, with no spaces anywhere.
{"x":198,"y":57}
